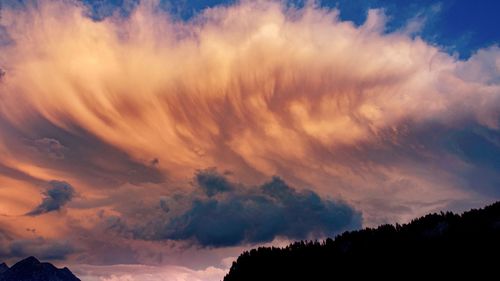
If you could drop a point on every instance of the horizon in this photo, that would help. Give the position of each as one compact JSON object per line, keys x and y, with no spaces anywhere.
{"x":152,"y":140}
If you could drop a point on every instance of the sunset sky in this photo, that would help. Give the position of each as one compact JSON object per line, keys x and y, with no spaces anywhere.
{"x":156,"y":140}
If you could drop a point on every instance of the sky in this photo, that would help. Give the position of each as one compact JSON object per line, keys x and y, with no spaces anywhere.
{"x":157,"y":140}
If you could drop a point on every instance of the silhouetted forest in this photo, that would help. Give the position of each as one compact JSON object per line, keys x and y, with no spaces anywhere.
{"x":444,"y":245}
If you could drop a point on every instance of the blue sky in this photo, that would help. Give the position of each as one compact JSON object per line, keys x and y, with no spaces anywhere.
{"x":457,"y":26}
{"x":461,"y":26}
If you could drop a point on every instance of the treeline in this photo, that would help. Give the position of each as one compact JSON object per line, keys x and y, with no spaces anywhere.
{"x":444,"y":245}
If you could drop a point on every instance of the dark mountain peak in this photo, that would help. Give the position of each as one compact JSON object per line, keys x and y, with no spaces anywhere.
{"x":29,"y":261}
{"x":3,"y":267}
{"x":31,"y":269}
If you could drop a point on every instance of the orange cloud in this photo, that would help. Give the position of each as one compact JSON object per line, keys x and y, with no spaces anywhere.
{"x":256,"y":88}
{"x":256,"y":79}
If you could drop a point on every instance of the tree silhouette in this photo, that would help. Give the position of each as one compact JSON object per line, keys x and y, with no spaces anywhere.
{"x":444,"y":245}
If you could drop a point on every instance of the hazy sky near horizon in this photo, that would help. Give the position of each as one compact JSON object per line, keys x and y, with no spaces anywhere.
{"x":156,"y":140}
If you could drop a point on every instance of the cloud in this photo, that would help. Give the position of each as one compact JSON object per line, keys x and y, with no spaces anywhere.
{"x":42,"y":248}
{"x":56,"y":197}
{"x":76,"y":153}
{"x":50,"y":147}
{"x":483,"y":67}
{"x":236,"y":215}
{"x":323,"y":82}
{"x":148,"y":273}
{"x":393,"y":125}
{"x":17,"y":174}
{"x":283,"y":93}
{"x":212,"y":182}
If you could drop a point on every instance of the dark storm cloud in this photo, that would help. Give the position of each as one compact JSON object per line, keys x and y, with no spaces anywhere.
{"x":55,"y":198}
{"x":229,"y":214}
{"x":211,"y":182}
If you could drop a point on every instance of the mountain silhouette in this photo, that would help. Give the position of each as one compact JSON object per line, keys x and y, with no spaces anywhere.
{"x":3,"y":267}
{"x":30,"y":269}
{"x":445,"y":246}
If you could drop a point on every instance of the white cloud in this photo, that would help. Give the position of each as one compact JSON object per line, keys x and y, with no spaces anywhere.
{"x":148,"y":273}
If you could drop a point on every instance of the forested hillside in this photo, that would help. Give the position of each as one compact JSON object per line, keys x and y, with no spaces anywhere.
{"x":445,"y":245}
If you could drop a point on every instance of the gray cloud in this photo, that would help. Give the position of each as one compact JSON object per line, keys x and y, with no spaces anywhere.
{"x":56,"y":197}
{"x":50,"y":147}
{"x":228,"y":214}
{"x":40,"y":247}
{"x":212,"y":183}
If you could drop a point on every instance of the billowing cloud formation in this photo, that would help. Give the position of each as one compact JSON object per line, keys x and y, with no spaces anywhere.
{"x":241,"y":215}
{"x":127,"y":108}
{"x":55,"y":198}
{"x":258,"y":93}
{"x":221,"y":213}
